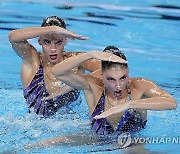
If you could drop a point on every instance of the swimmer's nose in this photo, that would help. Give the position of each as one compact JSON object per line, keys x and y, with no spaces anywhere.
{"x":118,"y":86}
{"x":53,"y":47}
{"x":53,"y":50}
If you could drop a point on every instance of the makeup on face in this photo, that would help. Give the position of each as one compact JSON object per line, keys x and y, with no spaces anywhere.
{"x":115,"y":81}
{"x":53,"y":49}
{"x":50,"y":42}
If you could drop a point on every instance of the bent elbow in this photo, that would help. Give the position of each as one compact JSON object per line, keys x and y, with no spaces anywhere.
{"x":11,"y":36}
{"x":174,"y":105}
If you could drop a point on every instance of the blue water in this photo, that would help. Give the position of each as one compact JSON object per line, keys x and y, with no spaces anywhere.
{"x":147,"y":31}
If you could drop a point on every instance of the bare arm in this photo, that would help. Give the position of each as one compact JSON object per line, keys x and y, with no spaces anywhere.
{"x":72,"y":62}
{"x":97,"y":73}
{"x":89,"y":65}
{"x":18,"y":38}
{"x":28,"y":33}
{"x":75,"y":139}
{"x":62,"y":91}
{"x":157,"y":99}
{"x":63,"y":70}
{"x":92,"y":65}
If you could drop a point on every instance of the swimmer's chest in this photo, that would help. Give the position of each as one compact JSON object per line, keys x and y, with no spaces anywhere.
{"x":115,"y":118}
{"x":52,"y":86}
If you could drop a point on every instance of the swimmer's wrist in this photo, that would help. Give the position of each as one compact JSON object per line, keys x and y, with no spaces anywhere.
{"x":131,"y":104}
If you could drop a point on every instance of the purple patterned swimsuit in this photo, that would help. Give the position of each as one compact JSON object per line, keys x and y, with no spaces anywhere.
{"x":37,"y":90}
{"x":129,"y":122}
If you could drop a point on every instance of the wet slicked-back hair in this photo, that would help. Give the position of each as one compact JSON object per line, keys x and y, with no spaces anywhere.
{"x":53,"y":21}
{"x":108,"y":64}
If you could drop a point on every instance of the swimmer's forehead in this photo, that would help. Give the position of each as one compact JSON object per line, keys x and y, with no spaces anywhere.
{"x":52,"y":37}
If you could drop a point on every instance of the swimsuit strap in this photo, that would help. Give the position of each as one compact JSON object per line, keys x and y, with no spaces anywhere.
{"x":100,"y":126}
{"x":99,"y":107}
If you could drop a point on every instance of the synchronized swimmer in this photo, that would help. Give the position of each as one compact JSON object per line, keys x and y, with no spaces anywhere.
{"x":37,"y":80}
{"x":116,"y":102}
{"x":53,"y":78}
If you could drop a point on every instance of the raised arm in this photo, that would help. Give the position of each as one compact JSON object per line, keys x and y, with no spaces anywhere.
{"x":63,"y":70}
{"x":72,"y":62}
{"x":28,"y":33}
{"x":89,"y":65}
{"x":92,"y":65}
{"x":156,"y":99}
{"x":18,"y":38}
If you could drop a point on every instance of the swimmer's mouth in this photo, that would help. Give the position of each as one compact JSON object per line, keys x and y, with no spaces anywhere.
{"x":53,"y":57}
{"x":118,"y":93}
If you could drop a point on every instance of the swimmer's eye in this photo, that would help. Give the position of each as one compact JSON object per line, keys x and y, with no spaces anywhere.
{"x":59,"y":42}
{"x":46,"y":41}
{"x":110,"y":79}
{"x":123,"y":77}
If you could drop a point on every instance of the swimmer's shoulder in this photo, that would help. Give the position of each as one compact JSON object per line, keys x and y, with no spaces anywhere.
{"x":142,"y":83}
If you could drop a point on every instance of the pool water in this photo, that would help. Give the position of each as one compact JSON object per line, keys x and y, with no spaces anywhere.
{"x":147,"y":31}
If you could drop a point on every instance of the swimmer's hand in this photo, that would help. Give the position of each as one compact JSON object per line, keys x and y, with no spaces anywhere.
{"x":105,"y":56}
{"x":114,"y":110}
{"x":60,"y":92}
{"x":68,"y":34}
{"x":51,"y":96}
{"x":104,"y":114}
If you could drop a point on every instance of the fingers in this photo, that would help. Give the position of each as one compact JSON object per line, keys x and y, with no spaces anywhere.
{"x":83,"y":38}
{"x":114,"y":58}
{"x":78,"y":37}
{"x":47,"y":98}
{"x":51,"y":96}
{"x":100,"y":116}
{"x":106,"y":113}
{"x":71,"y":35}
{"x":107,"y":57}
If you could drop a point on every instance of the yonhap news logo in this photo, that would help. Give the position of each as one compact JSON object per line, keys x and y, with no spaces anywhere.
{"x":125,"y":140}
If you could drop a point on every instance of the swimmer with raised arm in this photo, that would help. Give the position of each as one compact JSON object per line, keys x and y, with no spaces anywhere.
{"x":37,"y":80}
{"x":116,"y":102}
{"x":125,"y":99}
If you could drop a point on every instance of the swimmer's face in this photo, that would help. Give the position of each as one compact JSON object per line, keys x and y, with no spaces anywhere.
{"x":53,"y":46}
{"x":115,"y":80}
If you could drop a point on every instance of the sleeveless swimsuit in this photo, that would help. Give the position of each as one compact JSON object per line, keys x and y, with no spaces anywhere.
{"x":131,"y":121}
{"x":36,"y":91}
